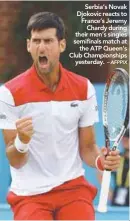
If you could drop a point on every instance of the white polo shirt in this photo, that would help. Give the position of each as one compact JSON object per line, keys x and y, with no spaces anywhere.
{"x":54,"y":148}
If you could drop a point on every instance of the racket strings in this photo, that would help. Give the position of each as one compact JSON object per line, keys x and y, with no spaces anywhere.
{"x":117,"y":104}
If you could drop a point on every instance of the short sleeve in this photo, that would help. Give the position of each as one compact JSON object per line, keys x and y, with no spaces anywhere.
{"x":90,"y":109}
{"x":8,"y":113}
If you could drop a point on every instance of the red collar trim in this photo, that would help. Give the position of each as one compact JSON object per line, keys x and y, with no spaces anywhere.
{"x":40,"y":84}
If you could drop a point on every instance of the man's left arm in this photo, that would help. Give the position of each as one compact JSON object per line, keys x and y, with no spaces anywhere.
{"x":89,"y":152}
{"x":94,"y":156}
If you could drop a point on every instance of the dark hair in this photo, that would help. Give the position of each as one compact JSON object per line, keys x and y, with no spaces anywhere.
{"x":44,"y":20}
{"x":127,"y":133}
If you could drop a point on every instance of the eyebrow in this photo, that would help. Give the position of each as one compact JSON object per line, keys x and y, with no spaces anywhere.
{"x":38,"y":38}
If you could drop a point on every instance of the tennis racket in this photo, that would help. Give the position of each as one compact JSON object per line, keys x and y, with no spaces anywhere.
{"x":115,"y":112}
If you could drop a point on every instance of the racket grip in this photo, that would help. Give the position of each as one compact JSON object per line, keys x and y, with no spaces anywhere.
{"x":102,"y":206}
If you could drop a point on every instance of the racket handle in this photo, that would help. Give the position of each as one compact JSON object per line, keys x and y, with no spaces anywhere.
{"x":102,"y":206}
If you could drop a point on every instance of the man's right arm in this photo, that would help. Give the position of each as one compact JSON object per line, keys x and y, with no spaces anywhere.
{"x":24,"y":132}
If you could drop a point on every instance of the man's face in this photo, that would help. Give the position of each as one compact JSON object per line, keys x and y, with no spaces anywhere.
{"x":45,"y":49}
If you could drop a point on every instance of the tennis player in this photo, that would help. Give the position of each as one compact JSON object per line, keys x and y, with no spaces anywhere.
{"x":47,"y":115}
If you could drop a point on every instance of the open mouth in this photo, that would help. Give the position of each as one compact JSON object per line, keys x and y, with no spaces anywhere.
{"x":43,"y":60}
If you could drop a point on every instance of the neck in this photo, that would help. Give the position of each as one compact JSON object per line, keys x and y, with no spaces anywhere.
{"x":51,"y":79}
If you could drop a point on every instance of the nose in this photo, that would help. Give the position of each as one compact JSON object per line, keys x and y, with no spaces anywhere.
{"x":42,"y":46}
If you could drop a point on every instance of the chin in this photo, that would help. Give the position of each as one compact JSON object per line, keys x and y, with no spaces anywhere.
{"x":45,"y":72}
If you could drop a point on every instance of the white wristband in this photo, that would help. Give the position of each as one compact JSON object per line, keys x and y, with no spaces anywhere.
{"x":98,"y":163}
{"x":21,"y":147}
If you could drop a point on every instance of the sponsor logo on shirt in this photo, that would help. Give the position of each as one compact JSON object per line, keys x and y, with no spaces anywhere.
{"x":73,"y":104}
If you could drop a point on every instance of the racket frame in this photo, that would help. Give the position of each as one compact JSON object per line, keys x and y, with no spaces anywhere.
{"x":102,"y":206}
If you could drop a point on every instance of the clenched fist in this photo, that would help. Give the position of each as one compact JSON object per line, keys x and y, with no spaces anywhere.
{"x":25,"y":130}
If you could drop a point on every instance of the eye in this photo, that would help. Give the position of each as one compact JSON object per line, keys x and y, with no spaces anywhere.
{"x":36,"y":40}
{"x":48,"y":41}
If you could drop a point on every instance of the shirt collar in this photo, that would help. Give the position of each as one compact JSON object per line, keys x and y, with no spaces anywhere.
{"x":40,"y":84}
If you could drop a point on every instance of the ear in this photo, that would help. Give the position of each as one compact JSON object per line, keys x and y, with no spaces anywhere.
{"x":62,"y":45}
{"x":28,"y":45}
